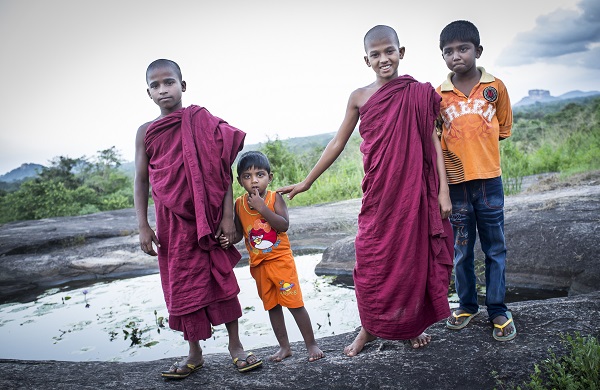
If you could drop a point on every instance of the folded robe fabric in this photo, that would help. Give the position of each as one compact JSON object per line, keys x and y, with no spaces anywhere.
{"x":403,"y":247}
{"x":190,"y":156}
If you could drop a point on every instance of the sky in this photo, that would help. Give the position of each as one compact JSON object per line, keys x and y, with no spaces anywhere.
{"x":74,"y":70}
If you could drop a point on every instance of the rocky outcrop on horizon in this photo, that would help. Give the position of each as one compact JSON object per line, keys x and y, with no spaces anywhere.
{"x":543,"y":96}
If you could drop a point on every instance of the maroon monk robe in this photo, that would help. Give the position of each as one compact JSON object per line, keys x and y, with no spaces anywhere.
{"x":190,"y":156}
{"x":403,"y":248}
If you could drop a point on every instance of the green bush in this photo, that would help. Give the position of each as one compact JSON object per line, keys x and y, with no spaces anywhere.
{"x":121,"y":199}
{"x":514,"y":165}
{"x":578,"y":369}
{"x":70,"y":187}
{"x":561,"y":138}
{"x":566,"y":140}
{"x":341,"y":181}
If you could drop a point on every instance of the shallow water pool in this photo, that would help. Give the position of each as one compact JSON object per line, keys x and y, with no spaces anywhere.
{"x":124,"y":320}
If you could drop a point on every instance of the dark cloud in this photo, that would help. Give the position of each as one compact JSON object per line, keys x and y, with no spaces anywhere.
{"x":563,"y":36}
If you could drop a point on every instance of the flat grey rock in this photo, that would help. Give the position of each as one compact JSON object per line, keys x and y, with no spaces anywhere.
{"x":465,"y":359}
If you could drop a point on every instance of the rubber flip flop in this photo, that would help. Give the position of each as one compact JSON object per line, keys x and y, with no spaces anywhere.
{"x":173,"y":374}
{"x":248,"y":366}
{"x":464,"y":323}
{"x":504,"y":325}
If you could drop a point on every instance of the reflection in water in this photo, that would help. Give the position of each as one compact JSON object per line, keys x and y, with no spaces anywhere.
{"x":126,"y":320}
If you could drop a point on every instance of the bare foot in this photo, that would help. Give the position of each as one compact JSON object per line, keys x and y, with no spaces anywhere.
{"x":420,"y":341}
{"x":314,"y":353}
{"x":280,"y":355}
{"x":359,"y":342}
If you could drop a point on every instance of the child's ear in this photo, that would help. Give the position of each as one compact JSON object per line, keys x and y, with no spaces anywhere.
{"x":367,"y":61}
{"x":270,"y":177}
{"x":183,"y":86}
{"x":401,"y":51}
{"x":148,"y":91}
{"x":478,"y":51}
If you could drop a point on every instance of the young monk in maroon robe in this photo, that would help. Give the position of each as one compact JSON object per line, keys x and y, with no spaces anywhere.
{"x":186,"y":155}
{"x":404,"y":242}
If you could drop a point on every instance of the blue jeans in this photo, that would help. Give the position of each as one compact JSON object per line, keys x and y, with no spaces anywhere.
{"x":478,"y":206}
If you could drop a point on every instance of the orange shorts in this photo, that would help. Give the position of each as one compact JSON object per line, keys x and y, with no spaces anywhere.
{"x":277,"y":283}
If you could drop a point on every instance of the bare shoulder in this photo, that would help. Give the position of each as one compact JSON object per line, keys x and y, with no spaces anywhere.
{"x":141,"y":132}
{"x":360,"y":96}
{"x":279,"y":198}
{"x":142,"y":129}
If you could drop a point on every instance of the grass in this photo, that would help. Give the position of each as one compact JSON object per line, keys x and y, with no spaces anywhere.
{"x":554,"y":138}
{"x":560,"y":138}
{"x":577,"y":369}
{"x":565,"y":141}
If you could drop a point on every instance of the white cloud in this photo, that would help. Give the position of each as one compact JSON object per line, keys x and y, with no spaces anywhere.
{"x":73,"y":70}
{"x":569,"y":37}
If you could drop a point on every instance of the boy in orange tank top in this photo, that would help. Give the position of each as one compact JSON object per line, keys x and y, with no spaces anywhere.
{"x":261,"y":217}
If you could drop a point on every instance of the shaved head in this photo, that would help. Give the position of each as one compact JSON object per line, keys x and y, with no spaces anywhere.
{"x":162,"y":63}
{"x":380,"y":32}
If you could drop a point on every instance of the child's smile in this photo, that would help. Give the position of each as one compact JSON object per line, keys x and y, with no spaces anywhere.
{"x":384,"y":55}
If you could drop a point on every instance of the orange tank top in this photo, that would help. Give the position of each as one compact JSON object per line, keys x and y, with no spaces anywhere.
{"x":262,"y":242}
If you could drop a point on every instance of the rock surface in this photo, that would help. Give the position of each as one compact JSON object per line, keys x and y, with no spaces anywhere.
{"x":465,"y":359}
{"x":551,"y":238}
{"x":35,"y":255}
{"x":551,"y":242}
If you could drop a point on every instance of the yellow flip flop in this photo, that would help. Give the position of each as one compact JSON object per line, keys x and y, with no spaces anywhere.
{"x":248,"y":366}
{"x":469,"y":317}
{"x":173,"y":374}
{"x":504,"y":325}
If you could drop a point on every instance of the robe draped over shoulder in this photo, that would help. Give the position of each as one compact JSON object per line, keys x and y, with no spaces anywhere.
{"x":190,"y":155}
{"x":403,"y":247}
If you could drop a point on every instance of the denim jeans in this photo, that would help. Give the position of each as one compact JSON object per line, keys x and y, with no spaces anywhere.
{"x":478,"y":206}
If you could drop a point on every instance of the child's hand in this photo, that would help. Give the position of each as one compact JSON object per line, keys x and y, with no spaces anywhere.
{"x":293,"y":190}
{"x":224,"y":241}
{"x":227,"y":230}
{"x":147,"y":237}
{"x":445,"y":204}
{"x":255,"y":201}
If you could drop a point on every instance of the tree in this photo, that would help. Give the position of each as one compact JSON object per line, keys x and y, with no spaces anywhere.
{"x":284,"y":163}
{"x":71,"y":186}
{"x":62,"y":170}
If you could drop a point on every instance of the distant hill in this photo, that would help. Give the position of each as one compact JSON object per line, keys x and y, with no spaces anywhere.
{"x":128,"y":168}
{"x":543,"y":96}
{"x":298,"y":144}
{"x":22,"y":172}
{"x":538,"y":100}
{"x":540,"y":109}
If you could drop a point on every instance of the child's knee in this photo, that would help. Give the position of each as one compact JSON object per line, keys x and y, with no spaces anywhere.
{"x":297,"y":309}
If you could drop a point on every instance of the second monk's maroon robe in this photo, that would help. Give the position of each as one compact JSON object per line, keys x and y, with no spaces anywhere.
{"x":190,"y":156}
{"x":403,"y":248}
